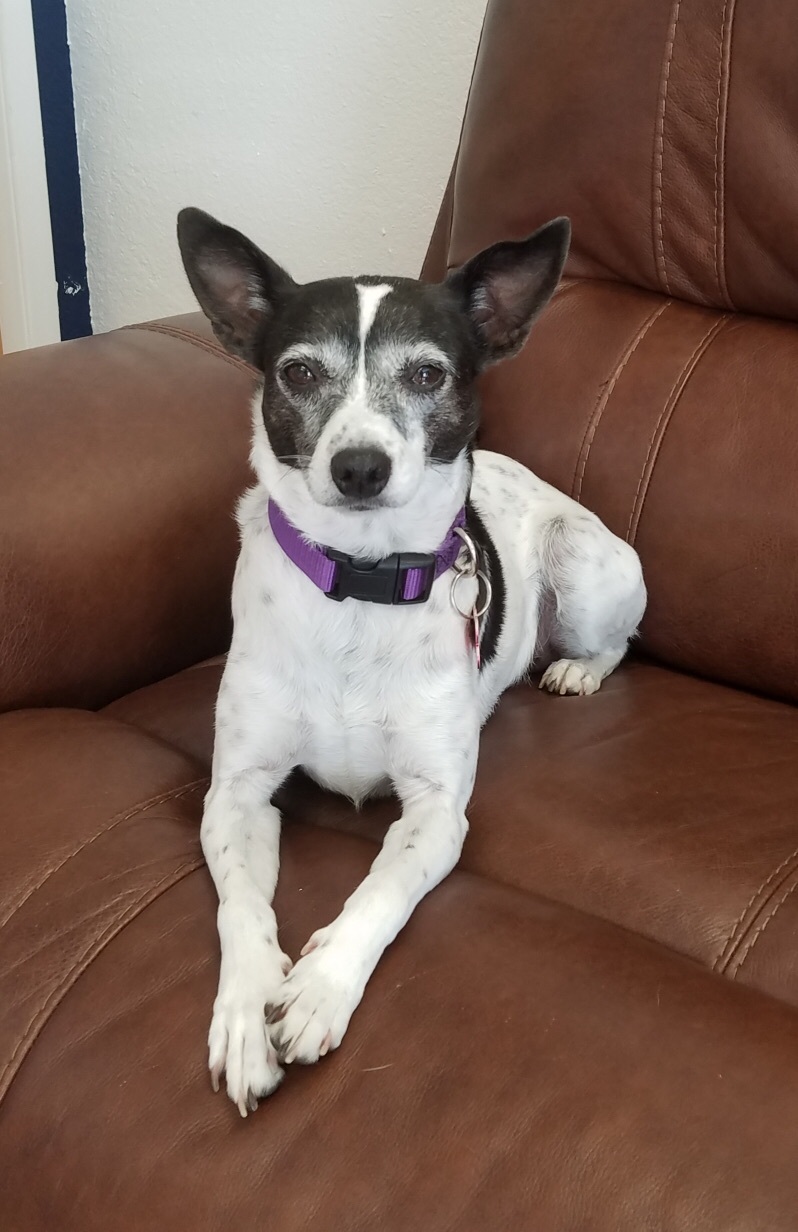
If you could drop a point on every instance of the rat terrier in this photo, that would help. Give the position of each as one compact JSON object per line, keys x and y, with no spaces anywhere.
{"x":392,"y":583}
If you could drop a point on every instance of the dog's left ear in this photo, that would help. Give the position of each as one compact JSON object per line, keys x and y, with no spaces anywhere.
{"x":237,"y":286}
{"x":508,"y":285}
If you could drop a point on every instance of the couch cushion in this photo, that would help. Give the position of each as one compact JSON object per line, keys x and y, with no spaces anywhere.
{"x":178,"y":710}
{"x":663,"y":803}
{"x":98,"y":819}
{"x":514,"y":1064}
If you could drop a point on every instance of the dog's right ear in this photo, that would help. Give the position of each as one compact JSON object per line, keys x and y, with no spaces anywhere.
{"x":237,"y":286}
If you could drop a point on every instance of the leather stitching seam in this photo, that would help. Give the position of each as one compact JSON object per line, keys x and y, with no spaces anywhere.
{"x":721,"y":118}
{"x":175,"y":793}
{"x":95,"y":947}
{"x":744,"y":953}
{"x":592,"y":424}
{"x":184,"y":335}
{"x":663,"y":423}
{"x":747,"y":915}
{"x":659,"y":154}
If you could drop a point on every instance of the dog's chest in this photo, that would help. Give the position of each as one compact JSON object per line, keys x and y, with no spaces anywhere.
{"x":358,"y":673}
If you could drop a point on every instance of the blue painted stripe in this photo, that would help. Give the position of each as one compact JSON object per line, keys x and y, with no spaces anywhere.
{"x":63,"y":171}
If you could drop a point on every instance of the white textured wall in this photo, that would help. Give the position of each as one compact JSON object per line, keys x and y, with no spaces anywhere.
{"x":323,"y":128}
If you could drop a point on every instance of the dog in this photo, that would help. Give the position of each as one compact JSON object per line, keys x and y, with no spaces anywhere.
{"x":392,"y":583}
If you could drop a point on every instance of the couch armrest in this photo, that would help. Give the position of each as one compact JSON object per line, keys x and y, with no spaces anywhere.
{"x":121,"y":457}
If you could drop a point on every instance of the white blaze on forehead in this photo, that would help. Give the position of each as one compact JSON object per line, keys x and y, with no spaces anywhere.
{"x":369,"y":301}
{"x":369,"y":298}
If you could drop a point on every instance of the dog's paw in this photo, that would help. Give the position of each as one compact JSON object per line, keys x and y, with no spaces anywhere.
{"x":239,"y":1046}
{"x":570,"y":676}
{"x":315,"y":1006}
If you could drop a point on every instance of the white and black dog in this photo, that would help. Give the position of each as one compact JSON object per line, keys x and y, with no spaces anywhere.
{"x":392,"y":583}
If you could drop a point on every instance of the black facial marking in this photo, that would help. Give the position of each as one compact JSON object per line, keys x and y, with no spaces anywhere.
{"x":313,"y":315}
{"x":409,"y":319}
{"x":453,"y":429}
{"x":491,"y":565}
{"x":418,"y":316}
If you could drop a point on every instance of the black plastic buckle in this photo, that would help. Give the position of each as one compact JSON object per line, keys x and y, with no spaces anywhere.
{"x":380,"y":581}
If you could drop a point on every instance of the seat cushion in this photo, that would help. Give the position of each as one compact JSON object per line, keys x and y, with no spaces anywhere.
{"x":663,"y":803}
{"x":514,"y":1064}
{"x":178,"y":710}
{"x":98,"y":820}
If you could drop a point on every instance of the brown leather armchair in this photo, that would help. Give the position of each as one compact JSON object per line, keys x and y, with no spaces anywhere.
{"x":592,"y":1024}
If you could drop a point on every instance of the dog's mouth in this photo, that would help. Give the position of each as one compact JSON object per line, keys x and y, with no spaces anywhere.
{"x":361,"y":504}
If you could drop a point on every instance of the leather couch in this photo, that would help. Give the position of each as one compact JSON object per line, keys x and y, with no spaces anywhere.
{"x":591,"y":1026}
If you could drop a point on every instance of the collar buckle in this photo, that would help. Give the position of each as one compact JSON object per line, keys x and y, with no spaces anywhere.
{"x":382,"y":581}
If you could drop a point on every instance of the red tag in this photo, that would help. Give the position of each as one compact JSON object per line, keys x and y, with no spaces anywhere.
{"x":472,"y":635}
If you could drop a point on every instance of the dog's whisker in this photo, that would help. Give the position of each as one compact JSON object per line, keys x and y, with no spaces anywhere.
{"x":449,"y":481}
{"x":281,"y":478}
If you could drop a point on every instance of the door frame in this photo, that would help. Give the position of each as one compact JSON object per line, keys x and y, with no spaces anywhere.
{"x":28,"y":290}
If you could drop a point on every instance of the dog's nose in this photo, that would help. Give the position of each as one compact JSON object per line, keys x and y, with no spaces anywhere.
{"x":360,"y":472}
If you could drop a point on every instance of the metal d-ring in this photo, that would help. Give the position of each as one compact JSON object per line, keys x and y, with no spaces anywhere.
{"x":475,"y":613}
{"x":470,"y":569}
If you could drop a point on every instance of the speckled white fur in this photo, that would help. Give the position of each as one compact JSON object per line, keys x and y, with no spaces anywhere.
{"x":364,"y":696}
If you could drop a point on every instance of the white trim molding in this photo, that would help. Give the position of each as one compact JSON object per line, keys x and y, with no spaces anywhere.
{"x":28,"y":290}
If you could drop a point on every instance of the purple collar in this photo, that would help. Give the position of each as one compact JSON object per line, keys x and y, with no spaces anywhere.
{"x":405,"y":577}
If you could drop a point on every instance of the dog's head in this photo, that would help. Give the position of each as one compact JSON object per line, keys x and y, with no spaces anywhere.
{"x":369,"y":382}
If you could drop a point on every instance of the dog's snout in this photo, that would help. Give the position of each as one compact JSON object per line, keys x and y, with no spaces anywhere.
{"x":360,"y":473}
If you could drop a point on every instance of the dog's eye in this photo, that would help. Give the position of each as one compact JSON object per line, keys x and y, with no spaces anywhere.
{"x":427,"y":376}
{"x":299,"y":375}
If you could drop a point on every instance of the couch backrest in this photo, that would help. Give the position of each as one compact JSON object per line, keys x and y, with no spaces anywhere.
{"x":668,"y":132}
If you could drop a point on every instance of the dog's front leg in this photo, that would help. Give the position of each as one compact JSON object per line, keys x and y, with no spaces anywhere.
{"x":240,"y":840}
{"x":325,"y":987}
